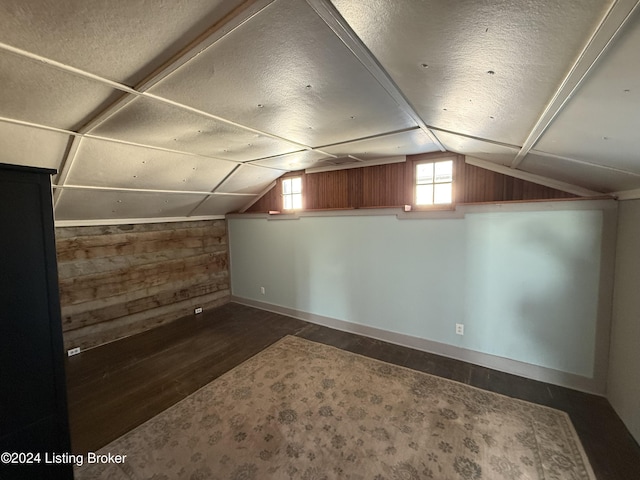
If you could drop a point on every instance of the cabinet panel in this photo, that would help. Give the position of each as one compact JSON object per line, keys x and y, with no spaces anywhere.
{"x":33,"y":411}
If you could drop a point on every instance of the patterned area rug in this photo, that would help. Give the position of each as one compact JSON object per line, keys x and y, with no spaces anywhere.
{"x":303,"y":410}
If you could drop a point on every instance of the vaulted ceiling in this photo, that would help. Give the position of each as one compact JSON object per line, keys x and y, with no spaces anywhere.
{"x":191,"y":108}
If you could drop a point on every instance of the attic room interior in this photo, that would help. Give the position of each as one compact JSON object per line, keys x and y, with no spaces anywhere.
{"x":320,"y":239}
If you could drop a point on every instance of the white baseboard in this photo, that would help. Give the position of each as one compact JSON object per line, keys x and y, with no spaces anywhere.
{"x":515,"y":367}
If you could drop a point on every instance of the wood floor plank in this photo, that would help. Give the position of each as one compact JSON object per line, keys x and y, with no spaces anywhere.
{"x":115,"y":387}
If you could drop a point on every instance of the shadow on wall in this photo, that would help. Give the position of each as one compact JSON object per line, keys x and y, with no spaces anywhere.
{"x":562,"y":313}
{"x":323,"y":276}
{"x":533,"y":287}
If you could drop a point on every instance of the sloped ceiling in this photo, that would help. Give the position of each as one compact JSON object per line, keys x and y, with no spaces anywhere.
{"x":192,"y":108}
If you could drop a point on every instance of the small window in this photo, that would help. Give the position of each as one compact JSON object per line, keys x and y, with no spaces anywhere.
{"x":434,"y":183}
{"x":292,"y":193}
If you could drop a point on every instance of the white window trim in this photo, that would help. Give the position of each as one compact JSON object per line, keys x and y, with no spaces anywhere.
{"x":433,"y":182}
{"x":292,"y":194}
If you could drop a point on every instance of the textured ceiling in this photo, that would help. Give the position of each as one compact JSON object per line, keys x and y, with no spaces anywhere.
{"x":192,"y":108}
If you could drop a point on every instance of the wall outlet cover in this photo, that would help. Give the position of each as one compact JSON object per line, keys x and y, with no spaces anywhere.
{"x":198,"y":310}
{"x":459,"y":328}
{"x":73,"y":351}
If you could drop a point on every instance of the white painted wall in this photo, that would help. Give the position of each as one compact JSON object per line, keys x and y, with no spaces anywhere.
{"x":532,"y":287}
{"x":623,"y":388}
{"x":526,"y":284}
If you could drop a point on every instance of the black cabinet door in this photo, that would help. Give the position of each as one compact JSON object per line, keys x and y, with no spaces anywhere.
{"x":33,"y":410}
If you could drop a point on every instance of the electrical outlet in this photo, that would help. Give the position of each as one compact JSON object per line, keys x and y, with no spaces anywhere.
{"x":198,"y":310}
{"x":262,"y":291}
{"x":73,"y":351}
{"x":459,"y":328}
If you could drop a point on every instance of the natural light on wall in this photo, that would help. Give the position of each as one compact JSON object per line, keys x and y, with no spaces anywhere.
{"x":434,"y":183}
{"x":292,"y":193}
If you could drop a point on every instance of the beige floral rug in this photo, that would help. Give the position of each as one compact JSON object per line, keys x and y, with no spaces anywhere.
{"x":303,"y":410}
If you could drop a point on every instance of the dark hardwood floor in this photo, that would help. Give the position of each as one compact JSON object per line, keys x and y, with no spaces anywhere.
{"x":115,"y":387}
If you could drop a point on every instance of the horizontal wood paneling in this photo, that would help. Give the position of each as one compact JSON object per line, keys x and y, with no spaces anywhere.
{"x":390,"y":186}
{"x":131,"y":279}
{"x":116,"y":281}
{"x":113,"y":245}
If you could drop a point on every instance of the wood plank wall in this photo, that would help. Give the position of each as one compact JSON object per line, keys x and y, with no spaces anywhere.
{"x":117,"y":281}
{"x":480,"y":185}
{"x":387,"y":186}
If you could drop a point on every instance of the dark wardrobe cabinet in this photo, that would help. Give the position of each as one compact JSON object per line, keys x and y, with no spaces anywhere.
{"x":33,"y":406}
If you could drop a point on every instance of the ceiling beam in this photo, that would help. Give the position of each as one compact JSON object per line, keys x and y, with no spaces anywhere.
{"x":171,"y":150}
{"x":586,"y":164}
{"x":129,"y":221}
{"x":65,"y":165}
{"x":243,"y":14}
{"x":627,"y":194}
{"x":67,"y":68}
{"x":330,"y":15}
{"x":266,"y":190}
{"x":145,"y":190}
{"x":473,"y":137}
{"x":369,"y":137}
{"x":358,"y":164}
{"x":213,"y":190}
{"x":530,"y":177}
{"x":126,"y":142}
{"x":230,"y":22}
{"x":38,"y":126}
{"x":220,"y":29}
{"x":211,"y":116}
{"x":234,"y":19}
{"x":611,"y":25}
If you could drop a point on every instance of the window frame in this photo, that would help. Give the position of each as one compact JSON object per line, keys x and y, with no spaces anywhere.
{"x":411,"y":180}
{"x":291,"y":176}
